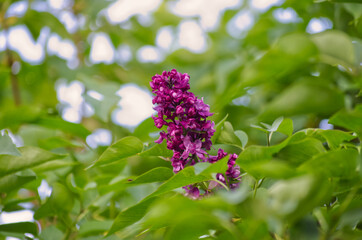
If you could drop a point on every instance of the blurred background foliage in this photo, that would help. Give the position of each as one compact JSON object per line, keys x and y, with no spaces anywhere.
{"x":75,"y":79}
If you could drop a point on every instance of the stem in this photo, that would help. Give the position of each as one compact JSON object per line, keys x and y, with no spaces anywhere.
{"x":257,"y":185}
{"x":227,"y":181}
{"x":222,"y":184}
{"x":10,"y":62}
{"x":268,"y":138}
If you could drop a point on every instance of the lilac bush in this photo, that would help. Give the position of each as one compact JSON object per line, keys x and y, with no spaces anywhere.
{"x":188,"y":132}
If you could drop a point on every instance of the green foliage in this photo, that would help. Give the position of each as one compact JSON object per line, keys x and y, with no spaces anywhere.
{"x":272,"y":91}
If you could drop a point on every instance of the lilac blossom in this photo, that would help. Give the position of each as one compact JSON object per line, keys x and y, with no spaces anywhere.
{"x":188,"y":132}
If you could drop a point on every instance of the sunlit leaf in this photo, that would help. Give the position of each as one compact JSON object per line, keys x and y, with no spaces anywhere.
{"x":154,"y":175}
{"x":121,"y":149}
{"x":30,"y":157}
{"x":7,"y":147}
{"x":158,"y":150}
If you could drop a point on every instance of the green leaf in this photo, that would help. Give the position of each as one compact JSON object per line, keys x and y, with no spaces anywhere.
{"x":289,"y":53}
{"x":144,"y":129}
{"x":299,"y":152}
{"x":13,"y":118}
{"x":274,"y":127}
{"x":243,"y":137}
{"x":57,"y":142}
{"x":185,"y":177}
{"x":158,"y":150}
{"x":286,"y":127}
{"x":51,"y":232}
{"x":218,"y":167}
{"x":351,"y":120}
{"x":273,"y":169}
{"x":154,"y":175}
{"x":228,"y":136}
{"x":20,"y":227}
{"x":7,"y":147}
{"x":131,"y":215}
{"x":31,"y":20}
{"x":335,"y":48}
{"x":60,"y":201}
{"x":53,"y":165}
{"x":254,"y":154}
{"x":293,"y":198}
{"x":336,"y":163}
{"x":126,"y":147}
{"x":304,"y":97}
{"x":259,"y":128}
{"x":343,"y":1}
{"x":15,"y":181}
{"x":31,"y":157}
{"x":335,"y":137}
{"x":94,"y":227}
{"x":189,"y":176}
{"x":65,"y":126}
{"x":354,"y":9}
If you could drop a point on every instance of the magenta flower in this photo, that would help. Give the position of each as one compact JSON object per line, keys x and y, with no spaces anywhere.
{"x":188,"y":132}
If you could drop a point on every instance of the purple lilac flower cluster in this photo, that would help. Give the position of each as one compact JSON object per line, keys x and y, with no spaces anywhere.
{"x":188,"y":130}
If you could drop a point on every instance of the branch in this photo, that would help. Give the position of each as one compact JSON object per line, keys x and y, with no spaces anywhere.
{"x":10,"y":60}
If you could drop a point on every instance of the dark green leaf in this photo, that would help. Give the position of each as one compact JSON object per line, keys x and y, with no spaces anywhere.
{"x":20,"y":227}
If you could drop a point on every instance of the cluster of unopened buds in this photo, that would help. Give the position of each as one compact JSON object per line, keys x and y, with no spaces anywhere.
{"x":188,"y":132}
